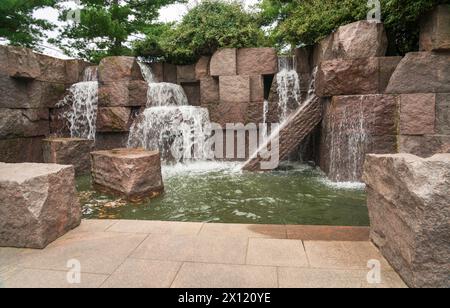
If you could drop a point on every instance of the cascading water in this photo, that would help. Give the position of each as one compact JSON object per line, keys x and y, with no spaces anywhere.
{"x":169,"y":124}
{"x":82,"y":102}
{"x":349,"y":144}
{"x":288,"y":87}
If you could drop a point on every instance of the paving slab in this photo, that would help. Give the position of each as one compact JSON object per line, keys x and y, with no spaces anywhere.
{"x":95,"y":225}
{"x":97,"y":252}
{"x":135,"y":273}
{"x":327,"y":233}
{"x":244,"y":230}
{"x":275,"y":252}
{"x":195,"y":248}
{"x":36,"y":278}
{"x":156,"y":227}
{"x":342,"y":255}
{"x":200,"y":275}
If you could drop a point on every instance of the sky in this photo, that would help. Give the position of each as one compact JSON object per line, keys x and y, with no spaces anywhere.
{"x":171,"y":13}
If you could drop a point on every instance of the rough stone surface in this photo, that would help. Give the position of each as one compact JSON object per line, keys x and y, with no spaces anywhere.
{"x":38,"y":204}
{"x":52,"y":69}
{"x":75,"y":70}
{"x":137,"y":93}
{"x":234,"y":89}
{"x":19,"y":62}
{"x":417,"y":114}
{"x":24,"y":94}
{"x":110,"y":141}
{"x":421,"y":72}
{"x":424,"y":146}
{"x":348,"y":77}
{"x":302,"y":56}
{"x":361,"y":39}
{"x":170,"y":73}
{"x":202,"y":68}
{"x":134,"y":173}
{"x":256,"y":89}
{"x":192,"y":91}
{"x":113,"y":119}
{"x":209,"y":90}
{"x":21,"y":150}
{"x":435,"y":30}
{"x":186,"y":73}
{"x":24,"y":123}
{"x":114,"y":94}
{"x":257,"y":61}
{"x":114,"y":69}
{"x":387,"y":67}
{"x":292,"y":132}
{"x":409,"y":211}
{"x":224,"y":63}
{"x":69,"y":151}
{"x":443,"y":114}
{"x":353,"y":126}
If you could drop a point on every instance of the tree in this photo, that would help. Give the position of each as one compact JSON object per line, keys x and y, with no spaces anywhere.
{"x":211,"y":25}
{"x":17,"y":24}
{"x":106,"y":27}
{"x":299,"y":22}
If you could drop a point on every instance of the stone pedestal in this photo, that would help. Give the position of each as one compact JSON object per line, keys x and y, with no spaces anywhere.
{"x":69,"y":151}
{"x":38,"y":204}
{"x":132,"y":173}
{"x":409,"y":208}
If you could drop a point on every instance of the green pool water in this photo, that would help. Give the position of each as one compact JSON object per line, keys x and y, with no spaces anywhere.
{"x":217,"y":192}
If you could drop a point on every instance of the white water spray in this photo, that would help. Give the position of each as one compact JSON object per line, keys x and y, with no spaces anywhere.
{"x":169,"y":124}
{"x":288,"y":87}
{"x":82,"y":104}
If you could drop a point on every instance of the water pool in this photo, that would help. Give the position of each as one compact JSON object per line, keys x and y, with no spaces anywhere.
{"x":217,"y":192}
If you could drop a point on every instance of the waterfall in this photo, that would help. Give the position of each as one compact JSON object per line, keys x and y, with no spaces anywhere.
{"x":82,"y":104}
{"x":349,"y":143}
{"x":169,"y":124}
{"x":288,"y":87}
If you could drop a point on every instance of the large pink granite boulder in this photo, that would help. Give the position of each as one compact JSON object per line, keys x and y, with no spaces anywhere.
{"x":421,"y":72}
{"x":234,"y":89}
{"x":361,"y":39}
{"x":417,"y":114}
{"x":355,"y":76}
{"x":19,"y":62}
{"x":69,"y":151}
{"x":257,"y":61}
{"x":435,"y":29}
{"x":408,"y":201}
{"x":224,"y":62}
{"x":113,"y":119}
{"x":24,"y":123}
{"x":114,"y":69}
{"x":133,"y":173}
{"x":424,"y":146}
{"x":21,"y":150}
{"x":38,"y":204}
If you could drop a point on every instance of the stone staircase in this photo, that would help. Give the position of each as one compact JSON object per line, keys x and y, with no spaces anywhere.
{"x":291,"y":133}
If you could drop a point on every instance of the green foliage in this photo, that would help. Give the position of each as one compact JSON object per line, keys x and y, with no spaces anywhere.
{"x":211,"y":25}
{"x":17,"y":24}
{"x":106,"y":27}
{"x":307,"y":21}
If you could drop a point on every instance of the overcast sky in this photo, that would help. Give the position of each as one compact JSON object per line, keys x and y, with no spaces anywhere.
{"x":167,"y":14}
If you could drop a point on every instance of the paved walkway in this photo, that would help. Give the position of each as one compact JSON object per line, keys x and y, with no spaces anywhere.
{"x":173,"y":254}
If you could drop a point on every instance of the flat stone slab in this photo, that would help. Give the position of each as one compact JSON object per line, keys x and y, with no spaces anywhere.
{"x":38,"y":204}
{"x":133,"y":173}
{"x":113,"y":253}
{"x":69,"y":151}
